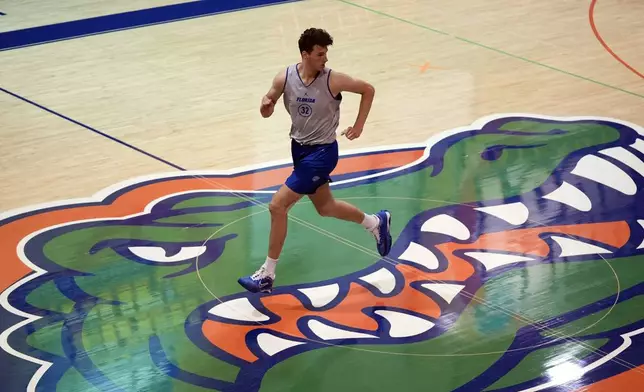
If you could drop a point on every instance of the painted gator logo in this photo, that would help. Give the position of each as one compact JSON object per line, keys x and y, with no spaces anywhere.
{"x":516,"y":266}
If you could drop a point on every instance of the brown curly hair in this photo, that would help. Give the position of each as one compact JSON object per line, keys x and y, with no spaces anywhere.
{"x":314,"y":36}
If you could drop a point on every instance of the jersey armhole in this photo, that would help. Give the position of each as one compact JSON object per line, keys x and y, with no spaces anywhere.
{"x":285,"y":79}
{"x":328,"y":86}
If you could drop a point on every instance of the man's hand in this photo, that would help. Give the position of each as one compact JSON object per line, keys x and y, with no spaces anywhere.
{"x":352,"y":133}
{"x":274,"y":93}
{"x":267,"y":106}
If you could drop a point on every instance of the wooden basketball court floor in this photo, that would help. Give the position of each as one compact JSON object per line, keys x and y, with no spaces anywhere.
{"x":505,"y":137}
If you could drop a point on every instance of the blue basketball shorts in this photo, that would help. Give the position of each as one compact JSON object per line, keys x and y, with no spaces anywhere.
{"x":312,"y":166}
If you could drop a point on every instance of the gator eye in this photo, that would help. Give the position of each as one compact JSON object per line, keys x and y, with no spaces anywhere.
{"x":160,"y":255}
{"x":167,"y":254}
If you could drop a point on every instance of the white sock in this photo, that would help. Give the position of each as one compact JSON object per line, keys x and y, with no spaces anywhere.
{"x":270,"y":265}
{"x":370,"y":222}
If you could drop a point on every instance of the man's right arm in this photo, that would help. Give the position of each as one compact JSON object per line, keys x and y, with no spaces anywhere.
{"x":274,"y":93}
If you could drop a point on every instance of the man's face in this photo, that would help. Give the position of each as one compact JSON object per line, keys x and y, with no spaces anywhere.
{"x":317,"y":58}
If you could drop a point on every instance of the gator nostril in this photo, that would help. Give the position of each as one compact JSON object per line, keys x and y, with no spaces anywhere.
{"x":492,"y":153}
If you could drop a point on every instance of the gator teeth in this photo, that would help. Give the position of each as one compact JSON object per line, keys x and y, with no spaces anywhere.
{"x":570,"y":195}
{"x":626,"y":157}
{"x":447,"y":291}
{"x":404,"y":325}
{"x":571,"y":247}
{"x":493,"y":260}
{"x":238,"y":309}
{"x":322,"y":295}
{"x":448,"y":225}
{"x":606,"y":173}
{"x":382,"y":279}
{"x":513,"y":213}
{"x":272,"y":344}
{"x":641,"y":222}
{"x":328,"y":332}
{"x":638,"y":145}
{"x":420,"y":255}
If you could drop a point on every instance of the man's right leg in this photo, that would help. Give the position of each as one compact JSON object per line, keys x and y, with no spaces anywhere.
{"x":262,"y":279}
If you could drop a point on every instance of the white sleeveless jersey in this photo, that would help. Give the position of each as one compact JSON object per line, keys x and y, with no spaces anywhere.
{"x":315,"y":113}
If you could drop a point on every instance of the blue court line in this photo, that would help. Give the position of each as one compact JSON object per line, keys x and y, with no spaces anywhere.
{"x":93,"y":130}
{"x":124,"y":21}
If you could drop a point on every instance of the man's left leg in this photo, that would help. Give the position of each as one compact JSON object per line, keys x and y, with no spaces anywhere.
{"x":379,"y":224}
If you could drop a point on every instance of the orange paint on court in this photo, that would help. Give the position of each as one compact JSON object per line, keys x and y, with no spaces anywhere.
{"x":135,"y":201}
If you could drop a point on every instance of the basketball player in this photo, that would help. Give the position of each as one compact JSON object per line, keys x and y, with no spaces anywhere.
{"x":312,"y":96}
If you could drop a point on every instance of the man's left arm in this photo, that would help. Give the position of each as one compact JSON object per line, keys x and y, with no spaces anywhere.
{"x":341,"y":82}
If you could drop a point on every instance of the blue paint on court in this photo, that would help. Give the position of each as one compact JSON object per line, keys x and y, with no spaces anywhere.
{"x":124,"y":21}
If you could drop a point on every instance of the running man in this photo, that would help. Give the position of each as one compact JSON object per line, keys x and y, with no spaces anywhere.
{"x":312,"y":96}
